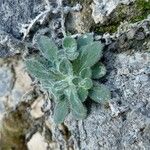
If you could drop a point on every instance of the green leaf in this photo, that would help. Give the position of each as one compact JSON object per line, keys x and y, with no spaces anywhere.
{"x":69,"y":44}
{"x":40,"y":72}
{"x":36,"y":69}
{"x":83,"y":94}
{"x":77,"y":108}
{"x":47,"y":47}
{"x":85,"y":39}
{"x":61,"y":111}
{"x":99,"y":93}
{"x":47,"y":84}
{"x":86,"y":73}
{"x":72,"y":55}
{"x":47,"y":64}
{"x":86,"y":83}
{"x":98,"y":71}
{"x":65,"y":67}
{"x":88,"y":56}
{"x":70,"y":47}
{"x":61,"y":54}
{"x":76,"y":80}
{"x":60,"y":85}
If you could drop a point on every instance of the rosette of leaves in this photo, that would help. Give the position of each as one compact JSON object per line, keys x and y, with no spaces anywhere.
{"x":68,"y":73}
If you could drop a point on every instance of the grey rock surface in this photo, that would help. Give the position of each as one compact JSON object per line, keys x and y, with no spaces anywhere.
{"x":6,"y":81}
{"x":14,"y":83}
{"x":124,"y":123}
{"x":14,"y":15}
{"x":101,"y":9}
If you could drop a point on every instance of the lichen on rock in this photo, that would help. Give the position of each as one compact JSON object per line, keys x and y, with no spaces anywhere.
{"x":131,"y":11}
{"x":124,"y":122}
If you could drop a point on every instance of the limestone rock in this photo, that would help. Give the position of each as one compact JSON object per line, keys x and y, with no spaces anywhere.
{"x":124,"y":123}
{"x":37,"y":142}
{"x":123,"y":126}
{"x":6,"y":81}
{"x":101,"y":9}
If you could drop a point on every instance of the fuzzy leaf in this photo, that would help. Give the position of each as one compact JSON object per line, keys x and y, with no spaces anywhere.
{"x":61,"y":54}
{"x":56,"y":95}
{"x":47,"y":64}
{"x":65,"y":67}
{"x":60,"y":85}
{"x":76,"y":81}
{"x":88,"y":56}
{"x":61,"y":111}
{"x":85,"y":39}
{"x":47,"y":47}
{"x":70,"y":47}
{"x":86,"y":73}
{"x":47,"y":84}
{"x":86,"y":83}
{"x":67,"y":73}
{"x":72,"y":55}
{"x":99,"y":93}
{"x":39,"y":71}
{"x":98,"y":71}
{"x":77,"y":108}
{"x":83,"y":94}
{"x":69,"y":44}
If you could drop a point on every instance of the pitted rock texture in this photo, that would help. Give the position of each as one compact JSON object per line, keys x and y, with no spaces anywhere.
{"x":14,"y":83}
{"x":15,"y":13}
{"x":125,"y":124}
{"x":32,"y":144}
{"x":6,"y":81}
{"x":103,"y":8}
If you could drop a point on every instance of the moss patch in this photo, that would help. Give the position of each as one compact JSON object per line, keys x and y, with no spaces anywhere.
{"x":144,"y":10}
{"x":132,"y":13}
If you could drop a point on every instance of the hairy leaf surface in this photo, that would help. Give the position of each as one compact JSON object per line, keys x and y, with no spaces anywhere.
{"x":39,"y":71}
{"x":99,"y":93}
{"x":86,"y":73}
{"x":98,"y":71}
{"x":69,"y":44}
{"x":86,"y":83}
{"x":66,"y":67}
{"x":85,"y":39}
{"x":78,"y":109}
{"x":61,"y":111}
{"x":66,"y":73}
{"x":83,"y":94}
{"x":89,"y":55}
{"x":47,"y":47}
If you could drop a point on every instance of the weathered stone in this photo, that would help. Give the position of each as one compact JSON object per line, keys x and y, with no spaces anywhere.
{"x":123,"y":124}
{"x":15,"y":13}
{"x":102,"y":9}
{"x":36,"y":110}
{"x":22,"y":83}
{"x":6,"y":81}
{"x":80,"y":21}
{"x":37,"y":142}
{"x":117,"y":128}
